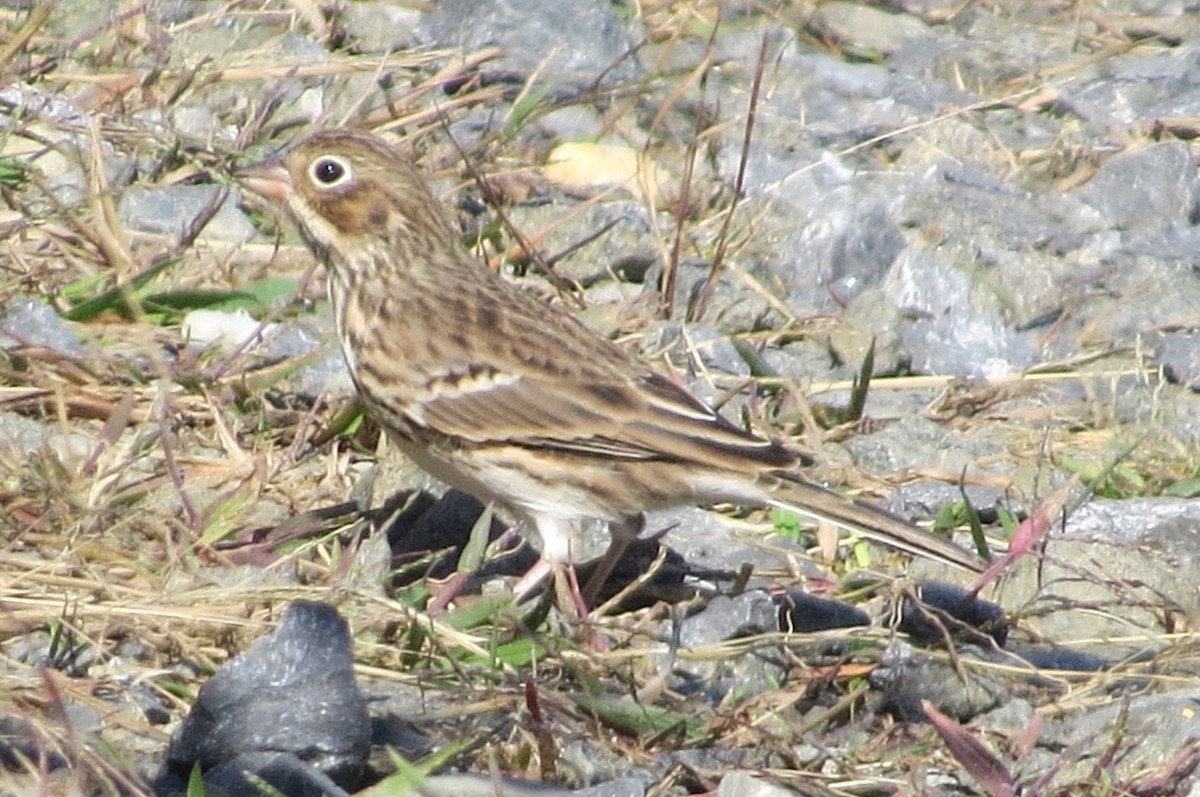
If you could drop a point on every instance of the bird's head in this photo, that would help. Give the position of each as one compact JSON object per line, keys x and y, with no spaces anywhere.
{"x":348,"y":189}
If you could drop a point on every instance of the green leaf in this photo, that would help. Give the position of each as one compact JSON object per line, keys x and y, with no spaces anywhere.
{"x":522,"y":652}
{"x":1115,"y":480}
{"x":950,"y":516}
{"x":225,"y":513}
{"x":1008,"y":520}
{"x":750,"y":356}
{"x":479,"y":612}
{"x":787,"y":524}
{"x":491,"y":233}
{"x":1187,"y":488}
{"x":408,"y":777}
{"x":348,"y":421}
{"x":195,"y":786}
{"x":623,"y":714}
{"x":120,"y":299}
{"x":862,"y":385}
{"x":13,"y":172}
{"x":264,"y":788}
{"x":271,"y":290}
{"x":862,"y":554}
{"x":524,"y":107}
{"x":174,"y":304}
{"x":472,"y":553}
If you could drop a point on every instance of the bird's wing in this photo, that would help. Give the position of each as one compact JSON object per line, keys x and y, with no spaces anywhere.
{"x":605,"y":414}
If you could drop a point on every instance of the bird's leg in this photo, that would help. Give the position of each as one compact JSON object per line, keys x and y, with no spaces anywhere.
{"x":567,"y":594}
{"x":563,"y":580}
{"x":622,"y":532}
{"x":532,"y":578}
{"x":557,"y":535}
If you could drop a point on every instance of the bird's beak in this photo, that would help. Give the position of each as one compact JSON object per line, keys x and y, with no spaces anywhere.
{"x":268,"y":179}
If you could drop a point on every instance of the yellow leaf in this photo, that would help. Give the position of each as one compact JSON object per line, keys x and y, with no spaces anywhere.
{"x":582,"y":165}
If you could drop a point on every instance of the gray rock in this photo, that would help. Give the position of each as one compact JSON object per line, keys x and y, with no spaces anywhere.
{"x":866,"y":28}
{"x":21,"y":436}
{"x":199,"y":123}
{"x":706,"y":540}
{"x":45,"y":143}
{"x":1151,"y":187}
{"x":915,"y":442}
{"x":724,"y":618}
{"x":952,"y":332}
{"x":743,"y":784}
{"x":29,"y":322}
{"x":1131,"y":87}
{"x":1160,"y":727}
{"x":1129,"y":561}
{"x":171,"y":210}
{"x":379,"y":27}
{"x":577,"y":42}
{"x":905,"y":678}
{"x":924,"y":498}
{"x":1178,"y":354}
{"x":619,"y":787}
{"x":571,"y":240}
{"x":469,"y":785}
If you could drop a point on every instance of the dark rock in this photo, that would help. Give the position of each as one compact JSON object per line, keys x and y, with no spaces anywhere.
{"x":444,"y":525}
{"x":906,"y":679}
{"x":802,"y":613}
{"x":427,"y":525}
{"x":284,"y":772}
{"x":668,"y":584}
{"x":944,"y":611}
{"x":1046,"y":657}
{"x":292,"y":693}
{"x":21,"y":743}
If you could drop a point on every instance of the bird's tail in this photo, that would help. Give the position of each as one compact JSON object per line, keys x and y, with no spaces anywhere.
{"x":792,"y":493}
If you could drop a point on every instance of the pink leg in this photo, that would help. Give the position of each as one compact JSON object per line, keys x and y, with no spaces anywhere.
{"x":533,"y":577}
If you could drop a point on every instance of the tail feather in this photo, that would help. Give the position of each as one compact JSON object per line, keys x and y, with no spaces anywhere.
{"x":793,"y":493}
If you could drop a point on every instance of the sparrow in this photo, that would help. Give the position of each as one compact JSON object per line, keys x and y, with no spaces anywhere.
{"x":510,"y":398}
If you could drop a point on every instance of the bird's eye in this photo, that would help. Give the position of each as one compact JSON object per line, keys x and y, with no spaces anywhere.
{"x":329,"y":171}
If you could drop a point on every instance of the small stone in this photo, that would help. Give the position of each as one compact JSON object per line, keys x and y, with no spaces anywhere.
{"x":866,"y":27}
{"x":29,"y":322}
{"x":379,"y":27}
{"x":172,"y":210}
{"x":743,"y":784}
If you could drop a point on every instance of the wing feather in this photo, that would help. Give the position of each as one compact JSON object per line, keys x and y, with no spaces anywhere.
{"x":647,"y":418}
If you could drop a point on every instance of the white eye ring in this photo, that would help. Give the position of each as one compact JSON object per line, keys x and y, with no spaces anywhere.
{"x":330,"y":171}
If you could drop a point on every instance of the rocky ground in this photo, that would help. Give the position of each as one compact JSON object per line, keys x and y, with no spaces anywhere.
{"x":993,"y":209}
